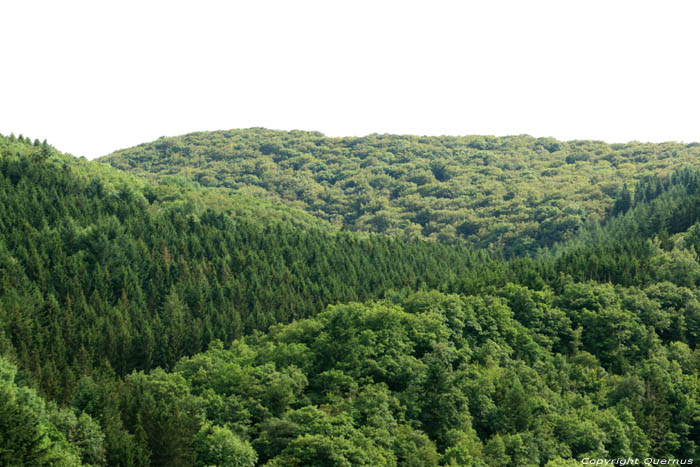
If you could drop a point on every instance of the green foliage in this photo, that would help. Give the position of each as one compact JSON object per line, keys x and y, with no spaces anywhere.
{"x":377,"y":384}
{"x":83,"y":432}
{"x":170,"y":324}
{"x":28,"y":436}
{"x":218,"y":446}
{"x":160,"y":407}
{"x":514,"y":193}
{"x":89,"y":273}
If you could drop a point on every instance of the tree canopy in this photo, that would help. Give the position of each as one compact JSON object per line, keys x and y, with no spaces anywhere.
{"x":152,"y":321}
{"x":513,"y":194}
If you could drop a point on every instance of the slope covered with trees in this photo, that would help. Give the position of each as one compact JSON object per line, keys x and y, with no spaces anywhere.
{"x":167,"y":324}
{"x":506,"y":193}
{"x":89,"y":272}
{"x":439,"y":379}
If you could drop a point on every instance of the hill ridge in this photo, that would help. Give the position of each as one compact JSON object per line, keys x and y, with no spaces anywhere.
{"x":515,"y":193}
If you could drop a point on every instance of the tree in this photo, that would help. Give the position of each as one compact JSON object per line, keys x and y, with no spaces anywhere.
{"x":27,"y":437}
{"x":216,"y":445}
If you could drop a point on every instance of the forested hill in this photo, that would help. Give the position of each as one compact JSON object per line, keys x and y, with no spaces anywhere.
{"x":513,"y":194}
{"x":92,"y":272}
{"x":102,"y":273}
{"x":162,"y":323}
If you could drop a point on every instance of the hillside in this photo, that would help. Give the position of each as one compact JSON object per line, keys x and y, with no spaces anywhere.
{"x":143,"y":281}
{"x":512,"y":194}
{"x":155,"y":322}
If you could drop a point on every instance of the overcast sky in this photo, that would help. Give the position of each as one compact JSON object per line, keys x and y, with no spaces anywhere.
{"x":93,"y":77}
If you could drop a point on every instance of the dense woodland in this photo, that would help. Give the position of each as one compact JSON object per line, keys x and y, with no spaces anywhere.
{"x":509,"y":194}
{"x":153,"y":321}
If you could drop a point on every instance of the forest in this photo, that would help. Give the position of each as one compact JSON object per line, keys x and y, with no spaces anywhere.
{"x":256,"y":297}
{"x":513,"y":195}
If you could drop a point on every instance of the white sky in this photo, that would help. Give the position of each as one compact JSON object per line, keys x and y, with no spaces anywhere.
{"x":93,"y":77}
